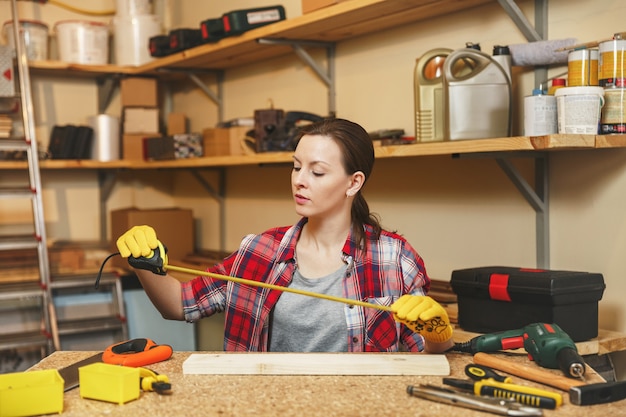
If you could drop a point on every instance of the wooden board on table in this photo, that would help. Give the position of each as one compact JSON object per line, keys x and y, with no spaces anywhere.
{"x":316,"y":364}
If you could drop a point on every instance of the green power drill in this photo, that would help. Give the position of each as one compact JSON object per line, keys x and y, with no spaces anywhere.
{"x":547,"y":344}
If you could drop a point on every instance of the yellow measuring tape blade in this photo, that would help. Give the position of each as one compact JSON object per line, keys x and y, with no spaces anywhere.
{"x":349,"y":301}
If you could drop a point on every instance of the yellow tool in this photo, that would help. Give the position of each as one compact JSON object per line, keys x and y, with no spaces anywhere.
{"x":436,"y":329}
{"x":151,"y":381}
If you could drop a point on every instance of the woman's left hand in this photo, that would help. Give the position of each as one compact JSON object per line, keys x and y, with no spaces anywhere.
{"x":423,"y":315}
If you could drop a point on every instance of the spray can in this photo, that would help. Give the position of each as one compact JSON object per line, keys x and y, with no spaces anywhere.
{"x":428,"y":91}
{"x":477,"y":96}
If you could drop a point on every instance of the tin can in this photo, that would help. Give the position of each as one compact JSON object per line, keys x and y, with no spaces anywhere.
{"x":614,"y":111}
{"x":582,"y":68}
{"x":540,"y":114}
{"x":611,"y":71}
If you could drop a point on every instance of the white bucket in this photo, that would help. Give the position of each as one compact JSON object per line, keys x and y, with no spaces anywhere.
{"x":131,"y":38}
{"x":34,"y":36}
{"x":579,"y":109}
{"x":133,"y":7}
{"x":83,"y":42}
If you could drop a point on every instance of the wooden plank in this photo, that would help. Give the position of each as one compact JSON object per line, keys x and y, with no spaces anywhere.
{"x":316,"y":364}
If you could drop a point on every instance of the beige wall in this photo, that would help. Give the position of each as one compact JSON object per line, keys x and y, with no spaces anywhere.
{"x":457,"y":213}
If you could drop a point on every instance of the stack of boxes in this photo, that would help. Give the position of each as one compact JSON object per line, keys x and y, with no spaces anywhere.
{"x":140,"y":115}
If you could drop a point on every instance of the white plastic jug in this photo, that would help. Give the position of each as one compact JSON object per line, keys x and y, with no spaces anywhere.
{"x":428,"y":90}
{"x":477,"y":96}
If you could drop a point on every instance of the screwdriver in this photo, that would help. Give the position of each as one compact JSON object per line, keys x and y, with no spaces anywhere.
{"x":522,"y":394}
{"x":478,"y":372}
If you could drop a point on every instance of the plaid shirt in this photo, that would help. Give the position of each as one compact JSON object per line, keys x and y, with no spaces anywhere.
{"x":387,"y":269}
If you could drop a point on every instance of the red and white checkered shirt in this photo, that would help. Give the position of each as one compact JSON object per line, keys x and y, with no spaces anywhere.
{"x":388,"y":268}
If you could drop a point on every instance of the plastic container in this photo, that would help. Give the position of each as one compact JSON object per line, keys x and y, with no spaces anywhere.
{"x":131,"y":38}
{"x":477,"y":97}
{"x":83,"y":42}
{"x":106,"y":140}
{"x":428,"y":90}
{"x":133,"y":7}
{"x":579,"y":109}
{"x":502,"y":55}
{"x":498,"y":298}
{"x":111,"y":383}
{"x":34,"y":38}
{"x":556,"y":84}
{"x":540,"y":114}
{"x":31,"y":393}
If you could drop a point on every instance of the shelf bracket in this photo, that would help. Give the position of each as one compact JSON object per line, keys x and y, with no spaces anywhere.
{"x":538,"y":199}
{"x":219,"y":196}
{"x":537,"y":196}
{"x":106,"y":87}
{"x":106,"y":180}
{"x":326,"y":75}
{"x":533,"y":33}
{"x":216,"y":96}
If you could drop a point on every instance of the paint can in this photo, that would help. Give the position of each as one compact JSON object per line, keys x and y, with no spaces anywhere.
{"x":83,"y":42}
{"x":614,"y":111}
{"x":540,"y":116}
{"x":582,"y":67}
{"x":131,"y":38}
{"x":133,"y":7}
{"x":611,"y":72}
{"x":34,"y":36}
{"x":579,"y":109}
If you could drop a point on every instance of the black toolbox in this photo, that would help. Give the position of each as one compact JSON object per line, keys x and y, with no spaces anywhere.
{"x":498,"y":298}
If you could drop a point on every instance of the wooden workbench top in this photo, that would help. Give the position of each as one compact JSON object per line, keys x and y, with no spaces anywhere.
{"x":280,"y":395}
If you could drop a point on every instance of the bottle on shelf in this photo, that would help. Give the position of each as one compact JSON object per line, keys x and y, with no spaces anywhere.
{"x":556,"y":84}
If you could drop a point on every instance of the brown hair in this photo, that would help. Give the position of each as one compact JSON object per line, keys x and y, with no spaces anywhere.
{"x":357,"y":152}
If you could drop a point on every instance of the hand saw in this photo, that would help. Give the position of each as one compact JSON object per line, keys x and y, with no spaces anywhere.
{"x":70,"y":373}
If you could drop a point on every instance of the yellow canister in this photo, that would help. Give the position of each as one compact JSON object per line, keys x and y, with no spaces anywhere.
{"x":611,"y":63}
{"x":614,"y":111}
{"x":582,"y":68}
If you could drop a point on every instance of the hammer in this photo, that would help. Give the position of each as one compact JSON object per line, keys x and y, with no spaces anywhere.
{"x":579,"y":392}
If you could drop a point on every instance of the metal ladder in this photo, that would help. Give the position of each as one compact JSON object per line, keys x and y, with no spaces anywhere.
{"x":33,"y":295}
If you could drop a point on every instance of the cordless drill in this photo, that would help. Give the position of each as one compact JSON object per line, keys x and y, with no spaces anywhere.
{"x":546,"y":344}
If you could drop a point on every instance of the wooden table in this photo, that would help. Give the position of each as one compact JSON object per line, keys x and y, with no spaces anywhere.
{"x":270,"y":395}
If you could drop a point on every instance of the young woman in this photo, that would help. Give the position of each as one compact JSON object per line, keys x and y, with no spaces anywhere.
{"x":337,"y":248}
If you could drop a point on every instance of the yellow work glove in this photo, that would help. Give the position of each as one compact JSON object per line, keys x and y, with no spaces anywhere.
{"x":423,"y":315}
{"x":143,"y":250}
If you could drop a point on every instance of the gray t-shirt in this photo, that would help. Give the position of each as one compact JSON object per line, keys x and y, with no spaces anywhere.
{"x":307,"y":324}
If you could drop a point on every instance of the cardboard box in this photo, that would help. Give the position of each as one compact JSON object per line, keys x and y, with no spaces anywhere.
{"x":140,"y":120}
{"x":176,"y":124}
{"x":180,"y":146}
{"x":174,"y":228}
{"x":139,"y":92}
{"x":496,"y":298}
{"x":311,"y":5}
{"x":224,"y":141}
{"x":132,"y":146}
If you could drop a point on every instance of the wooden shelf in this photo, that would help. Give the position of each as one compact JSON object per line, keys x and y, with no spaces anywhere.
{"x":495,"y":145}
{"x":336,"y":23}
